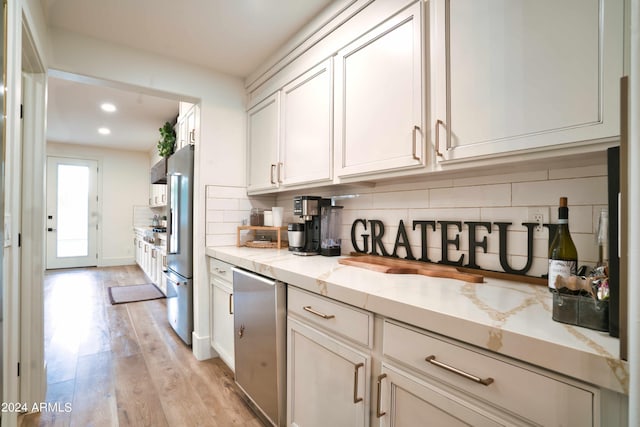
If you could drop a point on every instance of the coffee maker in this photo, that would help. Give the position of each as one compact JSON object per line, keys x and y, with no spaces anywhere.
{"x":309,"y":209}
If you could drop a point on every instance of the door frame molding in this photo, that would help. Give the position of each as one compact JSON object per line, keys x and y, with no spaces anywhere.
{"x":33,"y":378}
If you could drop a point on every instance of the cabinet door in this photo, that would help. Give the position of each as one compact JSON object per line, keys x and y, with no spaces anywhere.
{"x":262,"y":147}
{"x":380,"y":97}
{"x":137,"y":241}
{"x":153,"y":265}
{"x":306,"y":140}
{"x":146,"y":257}
{"x":181,"y":133}
{"x":407,"y":401}
{"x":162,"y":279}
{"x":521,"y":75}
{"x":327,"y":381}
{"x":191,"y":124}
{"x":222,"y":321}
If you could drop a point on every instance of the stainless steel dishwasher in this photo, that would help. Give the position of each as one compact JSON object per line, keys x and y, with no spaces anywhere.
{"x":259,"y":318}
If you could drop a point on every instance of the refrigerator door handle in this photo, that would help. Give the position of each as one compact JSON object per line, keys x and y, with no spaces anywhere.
{"x":174,"y":214}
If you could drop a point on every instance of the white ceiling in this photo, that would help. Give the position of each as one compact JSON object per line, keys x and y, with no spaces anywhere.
{"x":231,"y":36}
{"x":74,"y":115}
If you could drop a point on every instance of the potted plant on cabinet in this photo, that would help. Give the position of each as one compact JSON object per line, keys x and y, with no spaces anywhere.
{"x":166,"y":147}
{"x":167,"y":142}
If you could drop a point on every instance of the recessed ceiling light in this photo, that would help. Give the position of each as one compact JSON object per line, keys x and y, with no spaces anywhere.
{"x":104,"y":131}
{"x":108,"y":107}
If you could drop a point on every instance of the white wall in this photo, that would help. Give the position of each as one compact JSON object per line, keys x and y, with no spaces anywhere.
{"x":123,"y":182}
{"x":220,"y":152}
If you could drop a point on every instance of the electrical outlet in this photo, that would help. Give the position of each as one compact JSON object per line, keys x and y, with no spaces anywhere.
{"x":539,"y":219}
{"x":539,"y":215}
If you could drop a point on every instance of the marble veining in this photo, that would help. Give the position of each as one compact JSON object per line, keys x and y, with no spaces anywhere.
{"x":494,"y":342}
{"x":509,"y":318}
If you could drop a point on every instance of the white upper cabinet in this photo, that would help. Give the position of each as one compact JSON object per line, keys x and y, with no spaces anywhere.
{"x":518,"y":75}
{"x":380,"y":95}
{"x":187,"y":126}
{"x":262,"y":148}
{"x":306,"y":124}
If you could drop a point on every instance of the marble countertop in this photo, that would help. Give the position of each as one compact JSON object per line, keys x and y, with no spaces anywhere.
{"x":509,"y":318}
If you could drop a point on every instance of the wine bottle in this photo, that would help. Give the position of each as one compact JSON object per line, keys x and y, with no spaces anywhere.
{"x":563,"y":256}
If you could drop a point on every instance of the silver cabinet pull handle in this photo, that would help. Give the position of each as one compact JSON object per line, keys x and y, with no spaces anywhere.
{"x":219,"y":270}
{"x":484,"y":381}
{"x":415,"y":130}
{"x":317,"y":313}
{"x":378,"y":413}
{"x":241,"y":331}
{"x":230,"y":303}
{"x":356,"y":399}
{"x":273,"y":166}
{"x":438,"y":123}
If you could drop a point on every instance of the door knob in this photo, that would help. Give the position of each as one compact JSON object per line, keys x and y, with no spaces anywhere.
{"x":51,"y":229}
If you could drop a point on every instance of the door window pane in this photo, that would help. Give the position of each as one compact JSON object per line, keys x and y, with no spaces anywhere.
{"x":73,"y":211}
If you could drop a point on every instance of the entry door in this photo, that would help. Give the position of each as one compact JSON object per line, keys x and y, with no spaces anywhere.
{"x":72,"y":215}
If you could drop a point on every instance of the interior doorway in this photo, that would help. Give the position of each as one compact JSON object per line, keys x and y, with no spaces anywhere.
{"x":72,"y":212}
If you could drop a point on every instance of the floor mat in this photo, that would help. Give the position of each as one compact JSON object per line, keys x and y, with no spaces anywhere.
{"x":134,"y":293}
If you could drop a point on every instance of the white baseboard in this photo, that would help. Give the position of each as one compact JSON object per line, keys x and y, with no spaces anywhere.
{"x":115,"y":262}
{"x":201,"y":347}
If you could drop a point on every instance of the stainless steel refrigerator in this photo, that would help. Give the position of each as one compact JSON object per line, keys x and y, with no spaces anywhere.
{"x":180,"y":242}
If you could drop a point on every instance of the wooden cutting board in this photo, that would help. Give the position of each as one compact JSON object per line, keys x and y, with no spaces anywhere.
{"x":404,"y":266}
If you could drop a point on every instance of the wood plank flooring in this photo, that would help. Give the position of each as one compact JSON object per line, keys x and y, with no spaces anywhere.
{"x":123,"y":365}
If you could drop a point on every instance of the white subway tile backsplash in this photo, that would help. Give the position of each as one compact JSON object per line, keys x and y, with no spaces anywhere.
{"x":490,"y":198}
{"x":220,"y":240}
{"x":222,"y":204}
{"x":579,"y":172}
{"x":215,"y":215}
{"x":472,"y":196}
{"x":409,"y":199}
{"x":235,"y":217}
{"x":462,"y":214}
{"x":142,"y":216}
{"x":515,"y":215}
{"x":580,"y":218}
{"x":501,"y":179}
{"x":219,"y":192}
{"x":580,"y":191}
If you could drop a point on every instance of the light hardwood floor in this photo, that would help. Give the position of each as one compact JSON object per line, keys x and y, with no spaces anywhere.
{"x":123,"y":365}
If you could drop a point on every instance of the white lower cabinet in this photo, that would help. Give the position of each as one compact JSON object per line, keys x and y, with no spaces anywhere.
{"x":328,"y":376}
{"x":339,"y":375}
{"x":138,"y":241}
{"x":404,"y":400}
{"x":469,"y":386}
{"x":152,"y":260}
{"x":154,"y":264}
{"x":161,"y":279}
{"x":221,"y":310}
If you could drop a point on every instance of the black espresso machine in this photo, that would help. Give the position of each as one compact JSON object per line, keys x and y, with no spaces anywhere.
{"x":317,"y":233}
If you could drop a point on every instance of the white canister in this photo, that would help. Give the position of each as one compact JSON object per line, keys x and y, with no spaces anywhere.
{"x":268,"y":218}
{"x":278,"y":213}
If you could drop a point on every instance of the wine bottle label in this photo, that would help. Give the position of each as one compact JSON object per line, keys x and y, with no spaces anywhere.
{"x":559,"y":267}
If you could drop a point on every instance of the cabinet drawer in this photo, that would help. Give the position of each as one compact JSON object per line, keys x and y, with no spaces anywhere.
{"x":342,"y":319}
{"x":221,"y":269}
{"x":524,"y":392}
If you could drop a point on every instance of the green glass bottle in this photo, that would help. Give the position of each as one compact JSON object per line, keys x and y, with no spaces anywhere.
{"x":563,"y":256}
